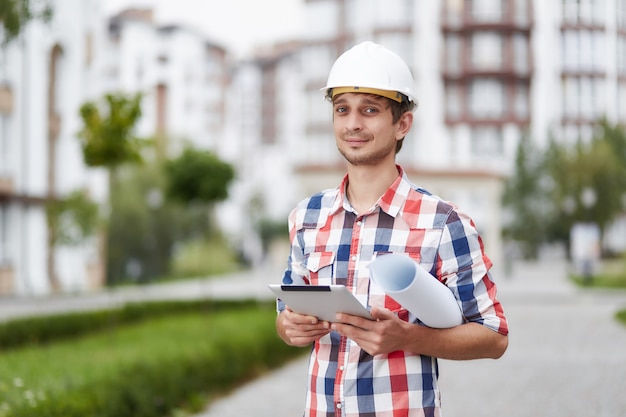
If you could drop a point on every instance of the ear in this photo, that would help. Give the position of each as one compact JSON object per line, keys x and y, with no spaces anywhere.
{"x":404,"y":125}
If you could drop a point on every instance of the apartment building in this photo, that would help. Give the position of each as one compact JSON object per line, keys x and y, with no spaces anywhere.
{"x":45,"y":75}
{"x":180,"y":73}
{"x":488,"y":74}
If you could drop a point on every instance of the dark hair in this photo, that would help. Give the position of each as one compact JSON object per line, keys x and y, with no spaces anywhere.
{"x":397,"y":110}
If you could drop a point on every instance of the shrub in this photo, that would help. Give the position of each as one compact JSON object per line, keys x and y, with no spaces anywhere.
{"x":144,"y":369}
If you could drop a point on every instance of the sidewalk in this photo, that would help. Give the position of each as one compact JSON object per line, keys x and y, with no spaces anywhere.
{"x":566,"y":358}
{"x":566,"y":355}
{"x":246,"y":284}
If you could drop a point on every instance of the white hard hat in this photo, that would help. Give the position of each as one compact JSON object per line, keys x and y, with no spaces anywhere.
{"x":371,"y":68}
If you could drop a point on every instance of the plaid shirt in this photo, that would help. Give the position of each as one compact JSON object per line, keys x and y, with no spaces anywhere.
{"x":331,"y":244}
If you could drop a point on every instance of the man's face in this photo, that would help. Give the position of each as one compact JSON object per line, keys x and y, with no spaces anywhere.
{"x":364,"y":128}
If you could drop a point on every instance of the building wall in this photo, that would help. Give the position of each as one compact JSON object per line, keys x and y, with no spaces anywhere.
{"x":49,"y":72}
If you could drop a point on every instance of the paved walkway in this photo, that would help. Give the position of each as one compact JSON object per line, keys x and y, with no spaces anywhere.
{"x":566,"y":356}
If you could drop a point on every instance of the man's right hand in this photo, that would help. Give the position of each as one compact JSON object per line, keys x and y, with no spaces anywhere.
{"x":299,"y":329}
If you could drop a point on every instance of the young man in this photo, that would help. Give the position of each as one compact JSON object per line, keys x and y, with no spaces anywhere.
{"x":385,"y":367}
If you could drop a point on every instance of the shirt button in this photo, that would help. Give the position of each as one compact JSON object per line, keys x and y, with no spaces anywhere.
{"x":354,"y":257}
{"x":338,"y":405}
{"x":341,"y":368}
{"x":358,"y":223}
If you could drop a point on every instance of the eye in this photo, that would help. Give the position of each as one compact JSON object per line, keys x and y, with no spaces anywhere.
{"x":340,"y":109}
{"x":370,"y":110}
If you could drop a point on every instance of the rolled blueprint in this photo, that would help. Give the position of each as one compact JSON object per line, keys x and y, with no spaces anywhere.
{"x":404,"y":280}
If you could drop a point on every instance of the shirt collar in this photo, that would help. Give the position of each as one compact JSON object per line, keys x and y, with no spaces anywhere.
{"x":391,"y":202}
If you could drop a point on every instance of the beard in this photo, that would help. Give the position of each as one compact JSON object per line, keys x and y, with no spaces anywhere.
{"x":362,"y":156}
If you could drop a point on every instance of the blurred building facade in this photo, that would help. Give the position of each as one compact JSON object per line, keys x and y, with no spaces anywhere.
{"x":45,"y":75}
{"x":488,"y":74}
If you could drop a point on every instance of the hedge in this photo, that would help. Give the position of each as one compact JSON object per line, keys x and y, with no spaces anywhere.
{"x":145,"y":369}
{"x":39,"y":330}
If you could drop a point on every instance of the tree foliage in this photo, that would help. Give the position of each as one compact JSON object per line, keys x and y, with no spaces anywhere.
{"x":552,"y":190}
{"x":198,"y":176}
{"x":73,"y":219}
{"x":525,"y":197}
{"x":107,"y":134}
{"x":15,"y":14}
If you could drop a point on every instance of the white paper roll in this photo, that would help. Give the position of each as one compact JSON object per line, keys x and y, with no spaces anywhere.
{"x":415,"y":289}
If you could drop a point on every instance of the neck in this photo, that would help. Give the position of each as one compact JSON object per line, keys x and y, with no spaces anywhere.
{"x":366,"y":184}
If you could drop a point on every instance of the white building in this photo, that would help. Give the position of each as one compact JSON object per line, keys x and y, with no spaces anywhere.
{"x":488,"y":73}
{"x":45,"y":75}
{"x":181,"y":75}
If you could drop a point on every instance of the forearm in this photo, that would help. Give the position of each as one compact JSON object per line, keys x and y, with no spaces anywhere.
{"x":464,"y":342}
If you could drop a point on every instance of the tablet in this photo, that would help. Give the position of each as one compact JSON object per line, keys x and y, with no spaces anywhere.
{"x":321,"y":301}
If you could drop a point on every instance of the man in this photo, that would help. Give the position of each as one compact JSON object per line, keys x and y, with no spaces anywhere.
{"x":387,"y":366}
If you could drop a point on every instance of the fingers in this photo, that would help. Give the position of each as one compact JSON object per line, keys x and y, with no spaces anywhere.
{"x":302,"y":330}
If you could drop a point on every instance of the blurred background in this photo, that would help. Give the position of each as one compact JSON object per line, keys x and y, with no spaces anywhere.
{"x":145,"y":140}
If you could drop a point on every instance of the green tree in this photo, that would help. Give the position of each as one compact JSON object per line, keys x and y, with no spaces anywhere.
{"x":15,"y":14}
{"x":198,"y":176}
{"x":590,"y":179}
{"x":107,"y":138}
{"x":73,"y":219}
{"x":555,"y":188}
{"x":525,"y":199}
{"x":107,"y":135}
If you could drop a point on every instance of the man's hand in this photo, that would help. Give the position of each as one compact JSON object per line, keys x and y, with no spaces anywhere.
{"x":300,"y":330}
{"x":383,"y":335}
{"x":388,"y":333}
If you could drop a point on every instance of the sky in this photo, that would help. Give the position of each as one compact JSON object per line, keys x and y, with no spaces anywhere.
{"x":238,"y":25}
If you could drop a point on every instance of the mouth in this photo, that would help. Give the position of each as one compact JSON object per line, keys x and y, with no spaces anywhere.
{"x":354,"y":143}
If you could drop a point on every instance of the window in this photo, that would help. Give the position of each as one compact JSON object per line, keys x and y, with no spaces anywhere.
{"x":621,"y":54}
{"x":488,"y":10}
{"x":486,"y":99}
{"x":583,"y":97}
{"x":583,"y":50}
{"x":583,"y":12}
{"x":453,"y":101}
{"x":323,"y":19}
{"x":520,"y":103}
{"x":390,"y":13}
{"x":4,"y":235}
{"x":486,"y":141}
{"x":5,"y":151}
{"x":621,"y":14}
{"x":453,"y":54}
{"x":454,"y":12}
{"x":621,"y":100}
{"x":487,"y":51}
{"x":319,"y":110}
{"x":520,"y":54}
{"x":521,"y":12}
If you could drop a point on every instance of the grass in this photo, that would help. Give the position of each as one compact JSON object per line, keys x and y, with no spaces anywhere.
{"x":612,"y":274}
{"x":31,"y":377}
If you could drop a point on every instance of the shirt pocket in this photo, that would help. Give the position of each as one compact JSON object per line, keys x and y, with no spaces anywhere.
{"x":320,"y":266}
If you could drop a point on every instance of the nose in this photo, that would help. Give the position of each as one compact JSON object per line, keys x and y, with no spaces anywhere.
{"x":353,"y":122}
